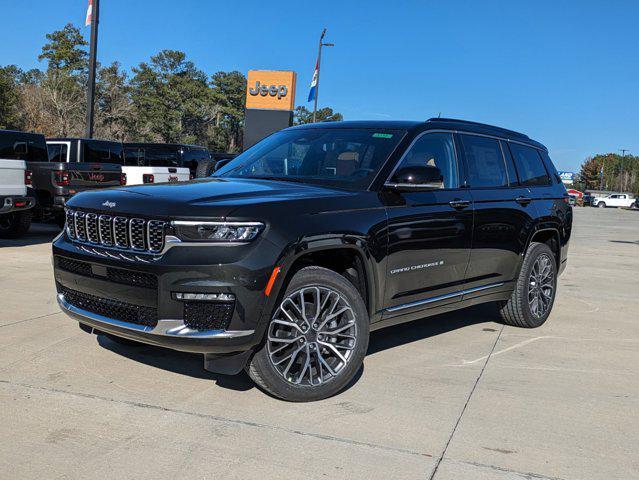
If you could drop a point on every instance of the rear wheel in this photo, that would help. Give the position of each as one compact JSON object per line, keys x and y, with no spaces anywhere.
{"x":15,"y":224}
{"x":534,"y":294}
{"x":205,"y":168}
{"x":601,"y":205}
{"x":316,"y":339}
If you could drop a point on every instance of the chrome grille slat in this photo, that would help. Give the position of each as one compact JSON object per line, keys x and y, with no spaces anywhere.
{"x":121,"y":233}
{"x":92,"y":227}
{"x":105,"y":230}
{"x":70,"y":216}
{"x":80,"y":226}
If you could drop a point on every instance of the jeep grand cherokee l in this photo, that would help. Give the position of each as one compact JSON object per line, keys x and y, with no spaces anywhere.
{"x":285,"y":260}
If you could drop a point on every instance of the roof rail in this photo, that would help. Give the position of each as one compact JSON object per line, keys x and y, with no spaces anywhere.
{"x":468,"y":122}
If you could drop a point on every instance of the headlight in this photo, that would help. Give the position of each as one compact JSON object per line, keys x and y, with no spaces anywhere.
{"x":222,"y":232}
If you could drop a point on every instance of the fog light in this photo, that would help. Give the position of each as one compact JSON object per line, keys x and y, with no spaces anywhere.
{"x":205,"y":297}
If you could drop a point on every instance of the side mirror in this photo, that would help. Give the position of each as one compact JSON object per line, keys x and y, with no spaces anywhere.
{"x":220,"y":163}
{"x":417,"y":178}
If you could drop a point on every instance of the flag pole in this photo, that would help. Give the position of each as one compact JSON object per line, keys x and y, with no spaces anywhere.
{"x":95,"y":13}
{"x":319,"y":63}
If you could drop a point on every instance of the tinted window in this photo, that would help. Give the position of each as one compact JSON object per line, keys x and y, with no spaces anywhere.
{"x":22,"y":147}
{"x":486,"y":165}
{"x":434,"y":150}
{"x":550,"y":167}
{"x":102,"y":152}
{"x":349,"y":158}
{"x":57,"y":152}
{"x":152,"y":157}
{"x":529,"y":165}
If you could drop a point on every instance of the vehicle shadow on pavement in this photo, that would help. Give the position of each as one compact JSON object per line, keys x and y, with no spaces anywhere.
{"x":191,"y":364}
{"x":182,"y":363}
{"x":38,"y":233}
{"x":421,"y":329}
{"x":632,"y":242}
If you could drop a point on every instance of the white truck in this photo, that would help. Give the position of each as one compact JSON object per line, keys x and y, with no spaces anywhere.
{"x":15,"y":202}
{"x":615,"y":200}
{"x":153,"y":164}
{"x":135,"y":166}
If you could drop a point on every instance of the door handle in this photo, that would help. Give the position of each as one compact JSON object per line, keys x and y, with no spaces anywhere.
{"x":459,"y":204}
{"x":523,"y":200}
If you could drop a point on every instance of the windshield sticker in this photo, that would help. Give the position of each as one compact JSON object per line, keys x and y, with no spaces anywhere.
{"x":382,"y":135}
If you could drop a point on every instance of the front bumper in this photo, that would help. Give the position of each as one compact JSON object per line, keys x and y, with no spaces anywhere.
{"x":239,"y":270}
{"x":167,"y":333}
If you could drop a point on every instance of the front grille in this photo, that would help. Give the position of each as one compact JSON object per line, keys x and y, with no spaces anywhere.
{"x":115,"y":275}
{"x":208,"y":315}
{"x":125,"y":312}
{"x":74,"y":266}
{"x":129,"y":277}
{"x":135,"y":234}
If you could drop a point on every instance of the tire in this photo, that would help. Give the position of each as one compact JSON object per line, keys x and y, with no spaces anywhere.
{"x":289,"y":363}
{"x":205,"y":168}
{"x":16,"y":224}
{"x":518,"y":311}
{"x":601,"y":205}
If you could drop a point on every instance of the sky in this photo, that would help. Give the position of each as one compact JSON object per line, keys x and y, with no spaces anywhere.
{"x":566,"y":73}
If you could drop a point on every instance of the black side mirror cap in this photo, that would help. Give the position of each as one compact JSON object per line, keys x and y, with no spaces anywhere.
{"x":417,"y":178}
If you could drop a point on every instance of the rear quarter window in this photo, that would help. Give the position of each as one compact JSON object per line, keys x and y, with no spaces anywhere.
{"x":530,"y":166}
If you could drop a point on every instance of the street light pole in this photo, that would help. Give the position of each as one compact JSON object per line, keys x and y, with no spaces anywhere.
{"x":319,"y":62}
{"x":93,"y":49}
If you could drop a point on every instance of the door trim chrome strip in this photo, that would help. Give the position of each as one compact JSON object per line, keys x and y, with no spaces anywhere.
{"x":442,"y":297}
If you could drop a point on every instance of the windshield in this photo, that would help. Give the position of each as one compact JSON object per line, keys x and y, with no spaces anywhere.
{"x":347,"y":158}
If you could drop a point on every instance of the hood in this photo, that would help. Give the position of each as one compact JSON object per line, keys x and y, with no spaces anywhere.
{"x":211,"y":197}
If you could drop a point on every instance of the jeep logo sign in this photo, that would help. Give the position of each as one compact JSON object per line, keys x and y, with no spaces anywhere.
{"x":270,"y":90}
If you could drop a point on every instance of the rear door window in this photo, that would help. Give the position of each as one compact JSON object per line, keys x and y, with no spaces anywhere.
{"x":485,"y":162}
{"x":57,"y":152}
{"x":102,"y":152}
{"x":530,"y":166}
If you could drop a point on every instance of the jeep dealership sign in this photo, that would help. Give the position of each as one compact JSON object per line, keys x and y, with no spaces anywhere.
{"x":270,"y":90}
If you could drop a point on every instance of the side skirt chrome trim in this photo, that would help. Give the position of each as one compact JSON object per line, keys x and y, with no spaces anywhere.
{"x":442,"y":297}
{"x":169,"y":328}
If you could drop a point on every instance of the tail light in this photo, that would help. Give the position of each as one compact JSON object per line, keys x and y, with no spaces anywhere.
{"x":190,"y":176}
{"x":123,"y":179}
{"x":148,"y":178}
{"x":28,"y":178}
{"x":62,"y":179}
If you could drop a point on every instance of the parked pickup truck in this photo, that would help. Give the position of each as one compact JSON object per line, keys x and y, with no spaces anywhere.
{"x":16,"y":202}
{"x":56,"y":178}
{"x":615,"y":200}
{"x":190,"y":160}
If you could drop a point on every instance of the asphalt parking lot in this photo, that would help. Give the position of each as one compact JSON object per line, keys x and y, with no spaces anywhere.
{"x":452,"y":397}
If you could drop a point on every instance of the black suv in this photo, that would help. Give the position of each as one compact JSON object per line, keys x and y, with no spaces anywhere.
{"x":285,"y":260}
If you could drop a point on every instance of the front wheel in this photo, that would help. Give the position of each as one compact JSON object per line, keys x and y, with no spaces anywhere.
{"x":601,"y":205}
{"x":532,"y":300}
{"x":316,"y":339}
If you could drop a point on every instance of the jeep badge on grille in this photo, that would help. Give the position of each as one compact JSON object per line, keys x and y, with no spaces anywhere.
{"x":109,"y":204}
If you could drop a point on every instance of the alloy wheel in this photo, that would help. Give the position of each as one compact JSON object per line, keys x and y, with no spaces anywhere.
{"x":312,"y":336}
{"x":541,"y":286}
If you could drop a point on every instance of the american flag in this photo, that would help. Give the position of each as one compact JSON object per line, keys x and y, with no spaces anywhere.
{"x":89,"y":18}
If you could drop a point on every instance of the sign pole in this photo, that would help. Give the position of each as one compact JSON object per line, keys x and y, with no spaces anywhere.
{"x":95,"y":13}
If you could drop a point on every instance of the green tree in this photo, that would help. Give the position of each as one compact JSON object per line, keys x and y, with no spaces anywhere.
{"x":228,"y":93}
{"x":114,"y":108}
{"x":172,"y":99}
{"x":10,"y":97}
{"x":65,"y":50}
{"x":303,"y":115}
{"x":620,"y":173}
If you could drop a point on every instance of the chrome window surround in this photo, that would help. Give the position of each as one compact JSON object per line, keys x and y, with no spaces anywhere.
{"x":387,"y":183}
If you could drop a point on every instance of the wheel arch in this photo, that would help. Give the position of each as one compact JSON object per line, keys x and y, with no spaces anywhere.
{"x":550,"y":236}
{"x":341,"y":256}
